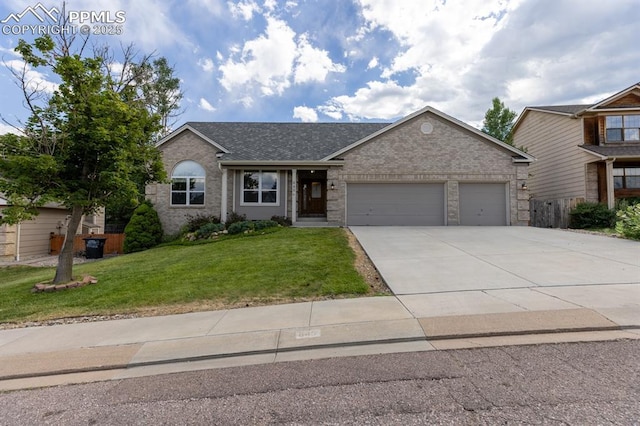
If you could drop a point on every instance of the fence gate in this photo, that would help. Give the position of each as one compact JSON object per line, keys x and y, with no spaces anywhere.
{"x":552,"y":213}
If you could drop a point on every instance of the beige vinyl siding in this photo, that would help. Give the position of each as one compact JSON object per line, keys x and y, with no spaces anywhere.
{"x":34,"y":234}
{"x":559,"y":169}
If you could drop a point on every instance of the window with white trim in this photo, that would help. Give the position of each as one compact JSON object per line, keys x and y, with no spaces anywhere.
{"x":260,"y":187}
{"x":187,"y":184}
{"x":623,"y":128}
{"x":626,"y":178}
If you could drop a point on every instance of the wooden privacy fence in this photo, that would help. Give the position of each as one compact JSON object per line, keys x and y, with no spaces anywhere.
{"x":113,"y":245}
{"x":552,"y":213}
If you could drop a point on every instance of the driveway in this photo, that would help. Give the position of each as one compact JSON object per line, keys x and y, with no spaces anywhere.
{"x":423,"y":260}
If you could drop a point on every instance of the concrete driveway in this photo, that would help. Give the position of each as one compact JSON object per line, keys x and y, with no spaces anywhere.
{"x":423,"y":260}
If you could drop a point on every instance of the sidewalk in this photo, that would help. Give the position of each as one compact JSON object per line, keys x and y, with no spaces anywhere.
{"x":75,"y":353}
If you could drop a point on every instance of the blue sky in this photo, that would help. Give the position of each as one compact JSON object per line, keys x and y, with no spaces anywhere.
{"x":362,"y":60}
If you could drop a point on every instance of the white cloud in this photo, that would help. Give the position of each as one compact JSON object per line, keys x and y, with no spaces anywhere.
{"x":275,"y":60}
{"x":305,"y":114}
{"x":373,"y":63}
{"x":36,"y":81}
{"x":243,"y":9}
{"x":265,"y":61}
{"x":5,"y":128}
{"x":206,"y":64}
{"x":214,"y":7}
{"x":205,"y":105}
{"x":313,"y":64}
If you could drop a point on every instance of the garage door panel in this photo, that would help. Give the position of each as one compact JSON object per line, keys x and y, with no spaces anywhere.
{"x":483,"y":204}
{"x":395,"y":204}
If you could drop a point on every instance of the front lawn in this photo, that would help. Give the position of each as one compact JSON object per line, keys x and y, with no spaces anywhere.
{"x":290,"y":264}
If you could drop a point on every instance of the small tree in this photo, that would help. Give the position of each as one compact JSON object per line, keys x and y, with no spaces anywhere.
{"x":144,"y":230}
{"x":498,"y":121}
{"x":87,"y":144}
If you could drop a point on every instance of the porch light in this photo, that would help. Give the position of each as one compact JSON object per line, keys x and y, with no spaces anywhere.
{"x":524,"y":186}
{"x":332,"y":186}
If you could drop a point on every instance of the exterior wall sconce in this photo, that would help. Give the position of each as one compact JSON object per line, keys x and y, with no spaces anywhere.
{"x":332,"y":186}
{"x":524,"y":186}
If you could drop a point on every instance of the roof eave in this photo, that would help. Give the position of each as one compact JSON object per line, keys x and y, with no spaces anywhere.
{"x":442,"y":115}
{"x":276,"y":163}
{"x":186,"y":127}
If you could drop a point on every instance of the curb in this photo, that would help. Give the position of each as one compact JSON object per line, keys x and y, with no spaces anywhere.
{"x":121,"y":366}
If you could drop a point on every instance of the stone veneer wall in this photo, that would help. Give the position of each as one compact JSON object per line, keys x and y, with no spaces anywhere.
{"x":449,"y":154}
{"x":7,"y":241}
{"x":187,"y":146}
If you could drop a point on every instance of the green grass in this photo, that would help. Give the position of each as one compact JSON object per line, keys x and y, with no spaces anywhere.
{"x":287,"y":265}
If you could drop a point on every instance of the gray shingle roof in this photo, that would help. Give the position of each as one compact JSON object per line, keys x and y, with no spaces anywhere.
{"x":614,"y":151}
{"x":284,"y":141}
{"x":564,"y":109}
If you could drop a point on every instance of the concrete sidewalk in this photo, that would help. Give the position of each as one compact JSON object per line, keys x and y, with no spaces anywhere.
{"x":75,"y":353}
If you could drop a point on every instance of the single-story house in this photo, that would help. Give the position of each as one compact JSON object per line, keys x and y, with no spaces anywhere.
{"x":31,"y":237}
{"x":425,"y":169}
{"x":583,"y":152}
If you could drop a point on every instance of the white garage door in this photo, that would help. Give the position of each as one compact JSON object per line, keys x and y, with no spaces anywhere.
{"x":412,"y":204}
{"x":483,"y":204}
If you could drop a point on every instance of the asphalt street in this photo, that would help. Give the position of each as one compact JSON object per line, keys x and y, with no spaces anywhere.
{"x":566,"y":383}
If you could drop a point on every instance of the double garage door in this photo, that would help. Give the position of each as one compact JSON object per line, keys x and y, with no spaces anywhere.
{"x":424,"y":204}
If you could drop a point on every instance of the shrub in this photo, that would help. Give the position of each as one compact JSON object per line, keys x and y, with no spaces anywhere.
{"x":144,"y":229}
{"x":281,"y":220}
{"x":249,"y":225}
{"x":209,"y":229}
{"x":194,"y":223}
{"x":629,"y":222}
{"x":591,"y":215}
{"x":235,"y":218}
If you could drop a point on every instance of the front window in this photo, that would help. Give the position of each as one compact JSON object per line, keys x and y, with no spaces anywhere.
{"x":626,"y":178}
{"x":260,"y":187}
{"x":622,"y":128}
{"x":187,"y":184}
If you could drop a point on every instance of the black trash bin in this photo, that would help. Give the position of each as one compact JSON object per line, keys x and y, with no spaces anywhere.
{"x":94,"y":247}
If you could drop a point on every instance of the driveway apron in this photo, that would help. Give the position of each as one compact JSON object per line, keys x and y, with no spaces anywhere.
{"x":423,"y":260}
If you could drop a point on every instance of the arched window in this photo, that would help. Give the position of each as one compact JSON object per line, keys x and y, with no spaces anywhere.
{"x":187,"y":184}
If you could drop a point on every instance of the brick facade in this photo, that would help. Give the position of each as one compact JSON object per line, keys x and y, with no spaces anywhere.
{"x":187,"y":146}
{"x":449,"y":154}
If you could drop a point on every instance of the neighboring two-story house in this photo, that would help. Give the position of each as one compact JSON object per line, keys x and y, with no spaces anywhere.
{"x":583,"y":152}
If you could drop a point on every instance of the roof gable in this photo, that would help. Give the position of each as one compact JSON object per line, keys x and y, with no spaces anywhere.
{"x":188,"y":127}
{"x":627,"y":98}
{"x":280,"y":141}
{"x":522,"y":156}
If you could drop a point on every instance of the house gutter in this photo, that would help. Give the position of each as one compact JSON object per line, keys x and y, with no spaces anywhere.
{"x":280,"y":164}
{"x":18,"y":227}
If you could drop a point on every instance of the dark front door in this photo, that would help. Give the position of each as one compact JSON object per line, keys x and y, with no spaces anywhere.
{"x":313,"y":197}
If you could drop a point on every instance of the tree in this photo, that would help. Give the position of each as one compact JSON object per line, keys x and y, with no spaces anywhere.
{"x":498,"y":121}
{"x":87,"y":144}
{"x":144,"y":230}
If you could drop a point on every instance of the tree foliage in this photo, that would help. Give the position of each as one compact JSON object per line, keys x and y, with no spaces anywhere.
{"x":88,"y":144}
{"x":144,"y":230}
{"x":498,"y":121}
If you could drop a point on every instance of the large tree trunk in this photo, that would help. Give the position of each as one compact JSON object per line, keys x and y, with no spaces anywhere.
{"x":64,"y":272}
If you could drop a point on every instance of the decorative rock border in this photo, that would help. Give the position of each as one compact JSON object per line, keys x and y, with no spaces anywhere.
{"x":43,"y":287}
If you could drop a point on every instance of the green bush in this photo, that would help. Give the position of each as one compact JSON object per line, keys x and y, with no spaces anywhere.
{"x":234,"y":217}
{"x":209,"y":229}
{"x":281,"y":220}
{"x":250,"y":225}
{"x":591,"y":215}
{"x":144,"y":229}
{"x":629,"y":222}
{"x":194,"y":223}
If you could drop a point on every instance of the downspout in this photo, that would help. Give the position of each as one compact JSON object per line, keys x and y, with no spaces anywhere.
{"x":223,"y":202}
{"x":18,"y":227}
{"x":611,"y":201}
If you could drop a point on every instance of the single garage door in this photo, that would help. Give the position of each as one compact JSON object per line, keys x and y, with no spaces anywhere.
{"x":483,"y":204}
{"x":413,"y":204}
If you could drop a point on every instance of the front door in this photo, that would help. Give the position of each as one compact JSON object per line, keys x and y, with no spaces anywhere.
{"x":313,"y":197}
